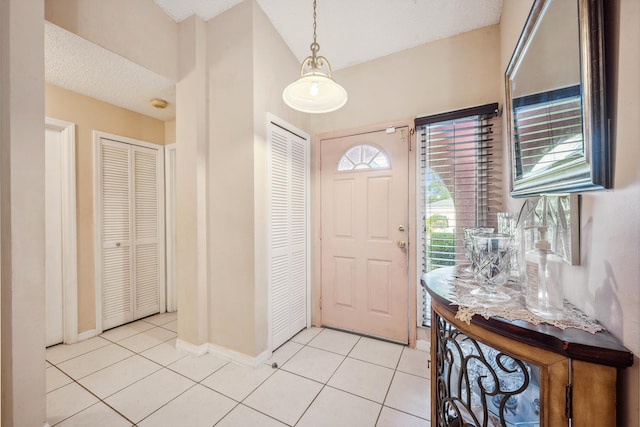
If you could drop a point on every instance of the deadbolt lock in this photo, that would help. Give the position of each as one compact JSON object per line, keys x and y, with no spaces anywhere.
{"x":401,"y":228}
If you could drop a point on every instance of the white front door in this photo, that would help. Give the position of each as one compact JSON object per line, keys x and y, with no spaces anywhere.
{"x":365,"y":268}
{"x":53,"y":238}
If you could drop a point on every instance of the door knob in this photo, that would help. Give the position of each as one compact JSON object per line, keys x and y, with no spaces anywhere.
{"x":401,"y":244}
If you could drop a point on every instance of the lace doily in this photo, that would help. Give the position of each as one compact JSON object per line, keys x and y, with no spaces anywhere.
{"x":514,"y":309}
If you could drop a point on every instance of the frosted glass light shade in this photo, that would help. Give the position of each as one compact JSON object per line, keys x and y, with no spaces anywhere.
{"x":315,"y":93}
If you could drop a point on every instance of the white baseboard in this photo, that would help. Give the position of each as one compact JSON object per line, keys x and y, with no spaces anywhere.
{"x":223,"y":352}
{"x":196,"y":350}
{"x":237,"y":357}
{"x":87,"y":334}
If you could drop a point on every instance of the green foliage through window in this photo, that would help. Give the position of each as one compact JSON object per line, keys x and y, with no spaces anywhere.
{"x":441,"y":250}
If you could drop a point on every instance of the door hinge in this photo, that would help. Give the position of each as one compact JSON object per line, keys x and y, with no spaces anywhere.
{"x":412,"y":132}
{"x":569,"y":400}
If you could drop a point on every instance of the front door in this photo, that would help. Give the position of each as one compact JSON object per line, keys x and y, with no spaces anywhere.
{"x":364,"y":180}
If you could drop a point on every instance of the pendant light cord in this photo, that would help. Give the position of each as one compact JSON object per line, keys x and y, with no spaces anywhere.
{"x":315,"y":47}
{"x":315,"y":91}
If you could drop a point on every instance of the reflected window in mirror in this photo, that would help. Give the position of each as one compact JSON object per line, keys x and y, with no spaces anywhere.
{"x":547,"y":131}
{"x":555,"y":102}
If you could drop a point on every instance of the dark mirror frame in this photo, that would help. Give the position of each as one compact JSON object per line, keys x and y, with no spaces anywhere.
{"x":593,"y":171}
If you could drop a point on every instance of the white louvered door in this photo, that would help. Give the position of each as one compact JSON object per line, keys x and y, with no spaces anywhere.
{"x":131,"y":266}
{"x":117,"y":275}
{"x":288,"y":276}
{"x":147,"y":230}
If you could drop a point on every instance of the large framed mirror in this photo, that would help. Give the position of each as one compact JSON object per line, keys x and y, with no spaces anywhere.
{"x":555,"y":101}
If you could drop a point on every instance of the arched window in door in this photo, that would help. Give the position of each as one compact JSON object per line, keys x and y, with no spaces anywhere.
{"x":363,"y":156}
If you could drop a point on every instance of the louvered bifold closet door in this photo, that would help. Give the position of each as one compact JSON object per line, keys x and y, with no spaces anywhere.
{"x":117,"y":256}
{"x":131,"y":226}
{"x":298,"y":241}
{"x":288,"y":181}
{"x":146,"y":248}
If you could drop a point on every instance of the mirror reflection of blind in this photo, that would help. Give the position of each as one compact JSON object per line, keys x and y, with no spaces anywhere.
{"x":460,"y":168}
{"x":547,"y":130}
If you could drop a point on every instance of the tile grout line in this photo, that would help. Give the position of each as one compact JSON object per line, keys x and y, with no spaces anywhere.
{"x":325,"y":384}
{"x":308,"y":344}
{"x":105,"y":367}
{"x":100,"y":400}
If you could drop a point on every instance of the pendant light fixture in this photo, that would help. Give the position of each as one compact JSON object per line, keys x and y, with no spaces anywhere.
{"x":315,"y":91}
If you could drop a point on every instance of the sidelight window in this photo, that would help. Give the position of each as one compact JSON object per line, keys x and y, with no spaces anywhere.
{"x":459,"y":183}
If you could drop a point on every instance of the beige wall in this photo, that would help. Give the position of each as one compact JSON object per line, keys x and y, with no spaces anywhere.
{"x":274,"y":67}
{"x":247,"y":68}
{"x":90,"y":114}
{"x":445,"y":75}
{"x":606,"y":283}
{"x":114,"y":24}
{"x":191,"y":183}
{"x":170,"y":132}
{"x":22,"y":206}
{"x":230,"y":180}
{"x":231,"y":72}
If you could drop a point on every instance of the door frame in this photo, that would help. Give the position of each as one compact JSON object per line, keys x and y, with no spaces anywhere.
{"x":97,"y":222}
{"x":316,"y":225}
{"x":67,"y":132}
{"x":170,"y":224}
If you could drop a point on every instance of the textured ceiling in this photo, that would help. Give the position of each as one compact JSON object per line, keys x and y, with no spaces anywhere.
{"x":354,"y":31}
{"x":349,"y":32}
{"x":76,"y":64}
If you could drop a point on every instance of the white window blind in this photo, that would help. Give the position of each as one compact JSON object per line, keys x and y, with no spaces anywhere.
{"x":547,"y":130}
{"x":460,"y":168}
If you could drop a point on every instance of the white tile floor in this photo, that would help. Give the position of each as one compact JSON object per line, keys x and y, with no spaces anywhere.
{"x":134,"y":376}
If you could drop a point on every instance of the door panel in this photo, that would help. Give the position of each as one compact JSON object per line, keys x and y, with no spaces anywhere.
{"x":343,"y":196}
{"x":146,"y":231}
{"x":53,"y":238}
{"x":116,"y":286}
{"x":288,"y":269}
{"x":364,"y":281}
{"x":131,"y":229}
{"x":61,"y":289}
{"x":379,"y":278}
{"x":378,"y":201}
{"x":117,"y":274}
{"x":344,"y":279}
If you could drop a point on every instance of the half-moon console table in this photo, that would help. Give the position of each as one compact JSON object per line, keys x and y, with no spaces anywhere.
{"x":494,"y":372}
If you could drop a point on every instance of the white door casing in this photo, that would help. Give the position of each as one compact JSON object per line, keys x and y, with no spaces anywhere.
{"x":61,"y":243}
{"x":170,"y":220}
{"x":288,"y":211}
{"x":129,"y":230}
{"x":53,"y":239}
{"x":364,"y":234}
